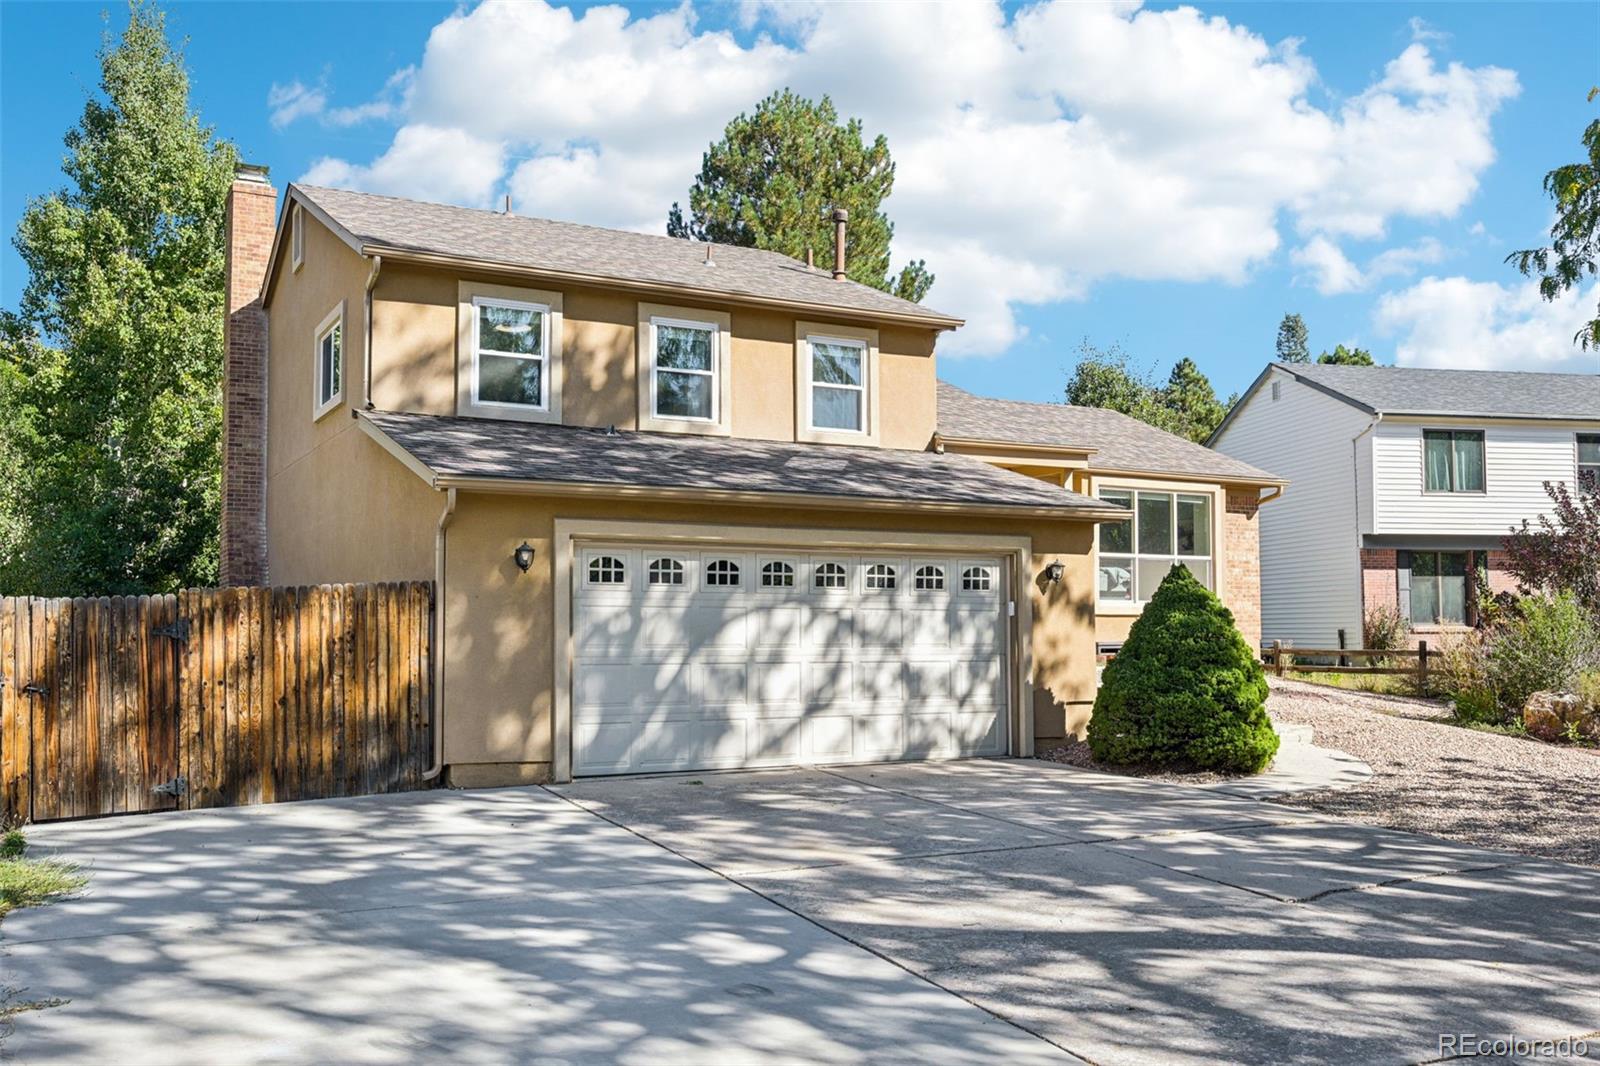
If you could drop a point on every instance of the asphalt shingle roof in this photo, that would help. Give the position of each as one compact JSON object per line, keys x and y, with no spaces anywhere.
{"x":1483,"y":393}
{"x":523,"y":451}
{"x":571,"y":248}
{"x":1120,"y":442}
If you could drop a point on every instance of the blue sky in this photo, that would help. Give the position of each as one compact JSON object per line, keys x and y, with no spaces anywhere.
{"x":1169,"y":181}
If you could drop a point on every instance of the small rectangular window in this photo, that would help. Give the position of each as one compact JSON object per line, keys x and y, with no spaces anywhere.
{"x":1452,"y":460}
{"x":1589,"y":460}
{"x":838,"y":384}
{"x":297,"y":239}
{"x":509,"y":356}
{"x":328,"y":357}
{"x":684,"y":370}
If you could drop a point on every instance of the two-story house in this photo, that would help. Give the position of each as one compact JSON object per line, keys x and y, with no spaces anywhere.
{"x":683,"y":506}
{"x":1406,"y":481}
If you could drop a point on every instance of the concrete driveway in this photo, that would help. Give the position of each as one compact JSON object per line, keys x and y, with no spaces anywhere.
{"x":1002,"y":911}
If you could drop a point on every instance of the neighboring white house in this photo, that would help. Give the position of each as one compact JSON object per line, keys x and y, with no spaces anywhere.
{"x":1403,"y":482}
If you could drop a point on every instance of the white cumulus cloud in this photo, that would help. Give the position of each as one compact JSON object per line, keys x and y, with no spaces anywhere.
{"x":1484,"y":325}
{"x":1037,"y":152}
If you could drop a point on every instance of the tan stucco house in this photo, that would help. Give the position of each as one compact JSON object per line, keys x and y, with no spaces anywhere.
{"x":684,"y":506}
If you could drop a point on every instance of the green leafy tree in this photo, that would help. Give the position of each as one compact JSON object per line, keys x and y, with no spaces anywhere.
{"x":115,"y":353}
{"x":1292,"y":340}
{"x":1184,"y":689}
{"x":775,"y":177}
{"x":1575,"y":237}
{"x":1185,"y":404}
{"x":1342,"y":356}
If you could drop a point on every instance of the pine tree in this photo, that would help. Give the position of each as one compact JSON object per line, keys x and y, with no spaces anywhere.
{"x":1185,"y":688}
{"x":115,"y":352}
{"x":1193,"y":402}
{"x":1292,"y":340}
{"x":1342,"y":356}
{"x":775,"y":177}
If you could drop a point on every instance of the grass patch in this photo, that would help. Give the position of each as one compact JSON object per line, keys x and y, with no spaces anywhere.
{"x":1378,"y":684}
{"x":32,"y":882}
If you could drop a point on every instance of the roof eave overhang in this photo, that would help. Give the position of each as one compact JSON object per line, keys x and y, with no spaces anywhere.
{"x":990,"y":445}
{"x":280,"y":236}
{"x":1190,"y":475}
{"x":808,"y":501}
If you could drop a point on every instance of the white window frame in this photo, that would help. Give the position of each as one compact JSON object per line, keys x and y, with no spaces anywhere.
{"x":985,"y":570}
{"x":297,"y":238}
{"x":594,"y":559}
{"x":838,"y":568}
{"x":941,"y":574}
{"x":714,"y":374}
{"x":543,"y":358}
{"x":805,"y":384}
{"x":320,"y":407}
{"x":1582,"y":467}
{"x":1215,"y":506}
{"x":470,"y":295}
{"x":675,"y":566}
{"x":795,"y":575}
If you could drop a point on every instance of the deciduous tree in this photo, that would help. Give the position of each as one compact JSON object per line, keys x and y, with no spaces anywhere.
{"x":114,"y":355}
{"x":1560,"y":552}
{"x":1342,"y":356}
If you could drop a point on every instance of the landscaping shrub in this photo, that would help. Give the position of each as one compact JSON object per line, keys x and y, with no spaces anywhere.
{"x":13,"y":844}
{"x":1385,"y":629}
{"x":1184,"y":688}
{"x":1545,"y":645}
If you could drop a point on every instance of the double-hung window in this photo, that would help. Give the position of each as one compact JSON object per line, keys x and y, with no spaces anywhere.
{"x":1166,"y":528}
{"x":328,"y":359}
{"x":683,"y":370}
{"x":838,"y":384}
{"x":510,"y":355}
{"x":1452,"y":460}
{"x":1589,"y":460}
{"x":1438,"y":588}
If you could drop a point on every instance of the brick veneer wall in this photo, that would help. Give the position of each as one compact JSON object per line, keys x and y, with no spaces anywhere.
{"x":1379,"y":586}
{"x":1241,"y":548}
{"x":252,"y":204}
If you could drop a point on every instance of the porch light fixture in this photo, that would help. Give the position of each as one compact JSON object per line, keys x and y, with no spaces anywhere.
{"x":1053,"y":572}
{"x":523,"y":556}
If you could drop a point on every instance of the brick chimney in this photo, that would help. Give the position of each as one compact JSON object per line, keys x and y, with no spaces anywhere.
{"x":252,"y":203}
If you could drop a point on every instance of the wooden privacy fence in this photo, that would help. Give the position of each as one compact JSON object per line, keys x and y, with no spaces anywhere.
{"x":212,"y":697}
{"x":1280,"y":658}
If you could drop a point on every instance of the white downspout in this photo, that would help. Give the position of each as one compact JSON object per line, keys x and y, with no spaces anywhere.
{"x":438,"y":635}
{"x":1355,"y":483}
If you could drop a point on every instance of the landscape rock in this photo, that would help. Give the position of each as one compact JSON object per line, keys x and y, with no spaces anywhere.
{"x":1546,"y":715}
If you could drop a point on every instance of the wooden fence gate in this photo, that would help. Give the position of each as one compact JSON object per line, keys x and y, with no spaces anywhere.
{"x":212,"y":697}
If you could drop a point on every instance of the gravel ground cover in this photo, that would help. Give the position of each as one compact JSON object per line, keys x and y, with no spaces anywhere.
{"x":1488,"y":789}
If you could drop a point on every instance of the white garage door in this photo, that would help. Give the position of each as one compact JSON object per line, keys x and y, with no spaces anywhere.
{"x":690,"y":660}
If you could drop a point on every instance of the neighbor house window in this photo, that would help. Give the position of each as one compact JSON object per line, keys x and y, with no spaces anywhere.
{"x":1438,"y":588}
{"x":297,"y":239}
{"x":684,"y":370}
{"x":838,"y":384}
{"x":329,"y":357}
{"x":510,"y":360}
{"x":1452,"y":460}
{"x":1589,"y":460}
{"x":1166,"y":528}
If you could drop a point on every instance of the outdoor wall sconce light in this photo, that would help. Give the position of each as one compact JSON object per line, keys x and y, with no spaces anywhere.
{"x":523,"y":556}
{"x":1053,"y":572}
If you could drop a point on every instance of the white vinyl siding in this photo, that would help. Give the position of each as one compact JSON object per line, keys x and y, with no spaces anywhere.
{"x":1518,"y":460}
{"x":1310,"y":556}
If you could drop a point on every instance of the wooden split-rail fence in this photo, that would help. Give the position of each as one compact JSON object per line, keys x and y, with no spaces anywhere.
{"x":1409,"y":662}
{"x":212,"y":697}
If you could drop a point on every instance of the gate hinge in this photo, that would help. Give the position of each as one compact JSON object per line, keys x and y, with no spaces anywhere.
{"x":178,"y":630}
{"x":33,"y":688}
{"x":174,"y":788}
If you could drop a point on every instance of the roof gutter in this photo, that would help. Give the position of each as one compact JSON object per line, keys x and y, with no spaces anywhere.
{"x":831,"y":310}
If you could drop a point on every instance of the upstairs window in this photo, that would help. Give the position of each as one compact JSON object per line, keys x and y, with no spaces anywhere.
{"x":1452,"y":460}
{"x":684,"y":370}
{"x":1589,"y":460}
{"x":838,"y":389}
{"x":510,"y":362}
{"x":328,"y":357}
{"x":297,"y":239}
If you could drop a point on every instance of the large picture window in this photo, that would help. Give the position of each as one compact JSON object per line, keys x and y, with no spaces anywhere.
{"x":1166,"y":528}
{"x":838,"y":384}
{"x":1438,"y":588}
{"x":684,"y":370}
{"x":1452,"y":460}
{"x":510,"y":360}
